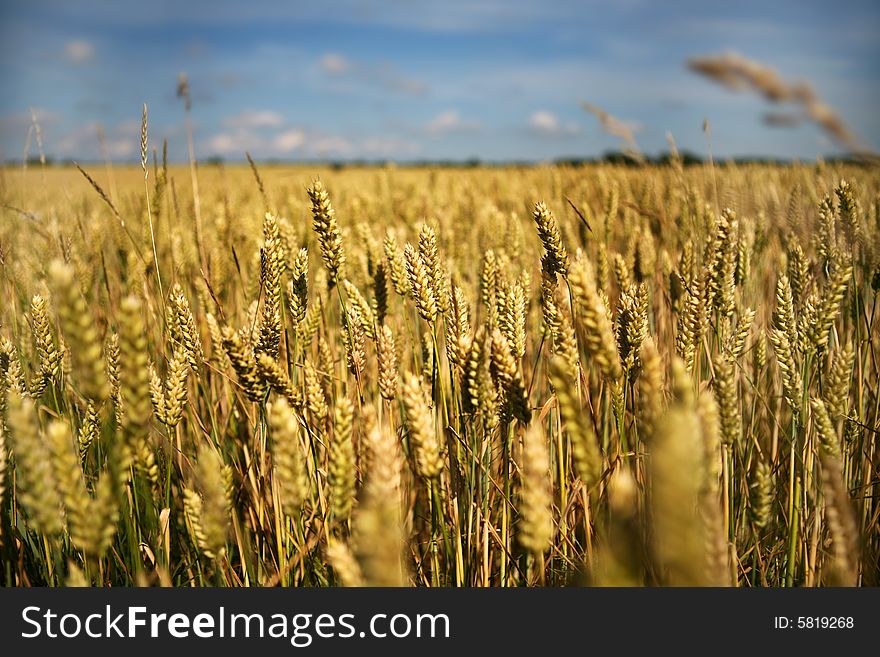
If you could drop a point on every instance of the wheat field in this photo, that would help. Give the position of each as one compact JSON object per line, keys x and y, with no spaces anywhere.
{"x":537,"y":376}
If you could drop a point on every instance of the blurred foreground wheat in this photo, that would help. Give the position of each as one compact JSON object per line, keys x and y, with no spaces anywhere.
{"x":482,"y":377}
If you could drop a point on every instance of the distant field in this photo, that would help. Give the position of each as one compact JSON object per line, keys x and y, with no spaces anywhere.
{"x":440,"y":377}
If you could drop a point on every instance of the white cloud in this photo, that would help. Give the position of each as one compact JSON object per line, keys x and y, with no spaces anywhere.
{"x":250,"y":119}
{"x":443,"y":122}
{"x":544,"y":121}
{"x":289,"y":140}
{"x":302,"y":142}
{"x":235,"y":143}
{"x":254,"y":131}
{"x":120,"y":148}
{"x":267,"y":134}
{"x":79,"y":51}
{"x":448,"y":122}
{"x":225,"y":143}
{"x":547,"y":123}
{"x":335,"y":64}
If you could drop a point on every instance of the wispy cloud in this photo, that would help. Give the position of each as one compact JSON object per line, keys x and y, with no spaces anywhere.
{"x":17,"y":124}
{"x":331,"y":145}
{"x":382,"y":75}
{"x":449,"y":122}
{"x":236,"y":144}
{"x":452,"y":16}
{"x":226,"y":143}
{"x":266,"y":134}
{"x":547,"y":124}
{"x":257,"y":131}
{"x":254,"y":119}
{"x":121,"y":140}
{"x":79,"y":51}
{"x":289,"y":140}
{"x":335,"y":64}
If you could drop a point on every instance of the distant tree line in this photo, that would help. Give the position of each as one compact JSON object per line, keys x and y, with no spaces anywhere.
{"x":620,"y":158}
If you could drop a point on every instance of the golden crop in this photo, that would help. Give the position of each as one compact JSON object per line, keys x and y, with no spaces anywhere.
{"x":440,"y":377}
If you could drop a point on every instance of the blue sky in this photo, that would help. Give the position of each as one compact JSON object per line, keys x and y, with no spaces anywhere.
{"x":494,"y":79}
